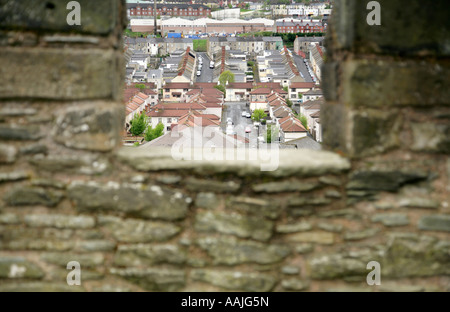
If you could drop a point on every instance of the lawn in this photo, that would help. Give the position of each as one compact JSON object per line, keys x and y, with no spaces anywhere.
{"x":200,"y":45}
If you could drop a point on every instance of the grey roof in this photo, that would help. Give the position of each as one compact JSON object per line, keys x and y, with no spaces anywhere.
{"x":178,"y":40}
{"x":157,"y":72}
{"x":310,"y":39}
{"x":304,"y":143}
{"x":273,"y":39}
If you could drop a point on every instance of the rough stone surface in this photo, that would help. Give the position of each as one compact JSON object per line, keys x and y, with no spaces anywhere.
{"x":137,"y":200}
{"x":9,"y":218}
{"x":207,"y":200}
{"x":169,"y":179}
{"x":60,"y":221}
{"x":19,"y":268}
{"x":369,"y":135}
{"x":242,"y":226}
{"x":13,"y":176}
{"x":79,"y":164}
{"x":86,"y":260}
{"x":229,"y":251}
{"x":304,"y":248}
{"x":293,"y":228}
{"x":308,"y":201}
{"x":18,"y":133}
{"x":294,"y":284}
{"x":285,"y":186}
{"x":92,"y":127}
{"x":39,"y":287}
{"x":368,"y":79}
{"x":137,"y":231}
{"x":389,"y":181}
{"x":96,"y":245}
{"x":30,"y":196}
{"x":409,"y":255}
{"x":435,"y":223}
{"x":74,"y":75}
{"x":8,"y":154}
{"x":148,"y":255}
{"x":35,"y":15}
{"x":336,"y":228}
{"x":153,"y":279}
{"x":194,"y":184}
{"x":323,"y":238}
{"x":290,"y":270}
{"x":431,"y":137}
{"x":234,"y":280}
{"x":359,"y":235}
{"x":255,"y":206}
{"x":336,"y":266}
{"x":34,"y":149}
{"x":392,"y":219}
{"x":419,"y":202}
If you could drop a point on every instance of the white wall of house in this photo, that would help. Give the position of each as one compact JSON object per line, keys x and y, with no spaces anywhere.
{"x":317,"y":131}
{"x":258,"y":105}
{"x":166,"y":121}
{"x":213,"y":111}
{"x":289,"y":136}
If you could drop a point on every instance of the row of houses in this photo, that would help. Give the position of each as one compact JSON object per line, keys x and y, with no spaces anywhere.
{"x":245,"y":44}
{"x":202,"y":25}
{"x":182,"y":99}
{"x":300,"y":26}
{"x":164,"y":9}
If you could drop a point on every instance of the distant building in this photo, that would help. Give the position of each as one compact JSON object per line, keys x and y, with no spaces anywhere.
{"x":163,"y":9}
{"x":303,"y":26}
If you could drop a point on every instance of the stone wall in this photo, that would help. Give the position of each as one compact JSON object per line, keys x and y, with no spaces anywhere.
{"x":139,"y":221}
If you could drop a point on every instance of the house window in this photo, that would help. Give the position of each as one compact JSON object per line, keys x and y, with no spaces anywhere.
{"x":167,"y":90}
{"x":160,"y":120}
{"x":169,"y":120}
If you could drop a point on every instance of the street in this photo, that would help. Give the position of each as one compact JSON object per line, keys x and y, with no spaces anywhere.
{"x":234,"y":111}
{"x":207,"y":73}
{"x":302,"y":67}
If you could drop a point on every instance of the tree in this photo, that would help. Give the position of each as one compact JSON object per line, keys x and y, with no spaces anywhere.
{"x":226,"y":76}
{"x":151,"y":134}
{"x":303,"y":120}
{"x":140,"y":86}
{"x":258,"y":115}
{"x":247,"y":6}
{"x":230,"y":6}
{"x":138,"y":124}
{"x":289,"y":103}
{"x":285,"y":89}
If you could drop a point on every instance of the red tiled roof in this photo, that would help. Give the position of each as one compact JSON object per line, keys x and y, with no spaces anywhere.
{"x":302,"y":85}
{"x":179,"y":106}
{"x":138,"y":100}
{"x":167,"y":113}
{"x":240,"y":85}
{"x":291,"y":124}
{"x":261,"y":91}
{"x":178,"y":85}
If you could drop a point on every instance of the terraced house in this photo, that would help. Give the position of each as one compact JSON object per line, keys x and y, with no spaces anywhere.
{"x":146,"y":9}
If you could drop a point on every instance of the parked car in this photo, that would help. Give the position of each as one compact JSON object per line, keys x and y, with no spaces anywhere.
{"x":244,"y":114}
{"x":211,"y":65}
{"x":199,"y":73}
{"x":248,"y":115}
{"x":248,"y":129}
